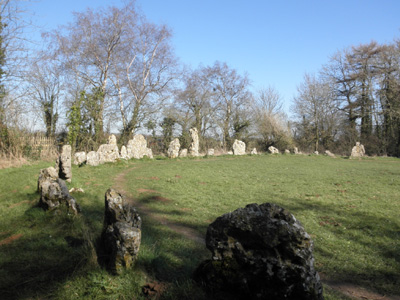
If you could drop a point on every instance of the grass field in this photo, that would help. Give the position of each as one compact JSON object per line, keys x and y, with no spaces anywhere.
{"x":351,"y":209}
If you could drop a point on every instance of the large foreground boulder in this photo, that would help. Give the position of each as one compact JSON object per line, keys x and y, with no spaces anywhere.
{"x":121,"y":236}
{"x":54,"y":192}
{"x":259,"y":252}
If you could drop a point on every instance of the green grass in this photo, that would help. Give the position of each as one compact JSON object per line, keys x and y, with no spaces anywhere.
{"x":349,"y":207}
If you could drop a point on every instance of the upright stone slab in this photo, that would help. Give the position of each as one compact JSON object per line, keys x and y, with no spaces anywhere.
{"x":273,"y":150}
{"x":92,"y":158}
{"x":109,"y":152}
{"x":210,"y":152}
{"x":358,"y":150}
{"x":54,"y":192}
{"x":183,"y":153}
{"x":63,"y":163}
{"x":79,"y":158}
{"x":260,"y":252}
{"x":124,"y":153}
{"x":137,"y":147}
{"x":173,"y":149}
{"x":254,"y":151}
{"x":112,"y":140}
{"x":239,"y":147}
{"x":121,"y":235}
{"x":194,"y":146}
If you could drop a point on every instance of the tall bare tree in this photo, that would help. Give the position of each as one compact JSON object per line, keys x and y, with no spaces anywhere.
{"x":145,"y":70}
{"x":88,"y":47}
{"x":270,"y":119}
{"x":232,"y":94}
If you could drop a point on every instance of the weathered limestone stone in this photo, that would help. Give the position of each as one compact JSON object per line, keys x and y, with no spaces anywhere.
{"x":210,"y":152}
{"x":254,"y":151}
{"x":54,"y":192}
{"x":173,"y":149}
{"x":239,"y":148}
{"x":287,"y":151}
{"x":230,"y":153}
{"x":112,"y":140}
{"x":260,"y":252}
{"x":137,"y":147}
{"x":296,"y":150}
{"x":124,"y":153}
{"x":108,"y":153}
{"x":92,"y":158}
{"x":358,"y":150}
{"x":316,"y":152}
{"x":194,"y":146}
{"x":121,"y":235}
{"x":273,"y":150}
{"x":149,"y":153}
{"x":183,"y":153}
{"x":79,"y":158}
{"x":329,"y":153}
{"x":63,"y":163}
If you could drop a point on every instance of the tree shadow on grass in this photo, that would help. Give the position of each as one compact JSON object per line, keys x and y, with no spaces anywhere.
{"x":47,"y":254}
{"x":361,"y":230}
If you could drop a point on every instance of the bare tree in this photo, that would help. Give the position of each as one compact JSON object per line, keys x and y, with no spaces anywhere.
{"x":316,"y":112}
{"x":145,"y":71}
{"x":233,"y":97}
{"x":87,"y":48}
{"x":270,"y":119}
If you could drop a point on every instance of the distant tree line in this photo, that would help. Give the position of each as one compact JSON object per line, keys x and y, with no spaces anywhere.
{"x":112,"y":70}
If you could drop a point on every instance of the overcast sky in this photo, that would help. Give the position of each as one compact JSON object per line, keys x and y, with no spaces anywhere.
{"x":274,"y":42}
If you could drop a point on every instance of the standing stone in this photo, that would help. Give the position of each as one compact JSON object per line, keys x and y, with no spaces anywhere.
{"x":316,"y":152}
{"x":112,"y":140}
{"x":173,"y":149}
{"x":210,"y":152}
{"x":260,"y":252}
{"x":79,"y":158}
{"x":296,"y":150}
{"x":121,"y":235}
{"x":330,"y":154}
{"x":194,"y":146}
{"x":287,"y":151}
{"x":108,"y":152}
{"x":63,"y":163}
{"x":239,"y":148}
{"x":54,"y":192}
{"x":273,"y":150}
{"x":183,"y":153}
{"x":92,"y":158}
{"x":254,"y":151}
{"x":124,"y":153}
{"x":137,"y":147}
{"x":358,"y":150}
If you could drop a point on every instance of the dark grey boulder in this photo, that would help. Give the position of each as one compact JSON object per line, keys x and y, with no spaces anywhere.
{"x":54,"y":192}
{"x":259,"y":252}
{"x":121,"y":236}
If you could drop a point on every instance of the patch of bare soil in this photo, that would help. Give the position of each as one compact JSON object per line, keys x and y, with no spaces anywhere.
{"x":357,"y":292}
{"x":120,"y":184}
{"x":154,"y":290}
{"x":18,"y":204}
{"x":147,"y":191}
{"x":10,"y":239}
